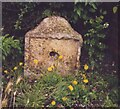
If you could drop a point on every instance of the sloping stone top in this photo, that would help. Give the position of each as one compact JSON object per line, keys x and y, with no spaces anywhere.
{"x":55,"y":27}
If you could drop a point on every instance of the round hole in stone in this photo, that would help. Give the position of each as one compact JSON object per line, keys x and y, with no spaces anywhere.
{"x":66,"y":63}
{"x":53,"y":53}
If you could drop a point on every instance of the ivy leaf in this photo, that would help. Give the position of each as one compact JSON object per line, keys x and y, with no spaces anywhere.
{"x":115,"y":8}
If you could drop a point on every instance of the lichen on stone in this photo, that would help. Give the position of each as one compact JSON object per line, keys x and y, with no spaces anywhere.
{"x":53,"y":37}
{"x":55,"y":25}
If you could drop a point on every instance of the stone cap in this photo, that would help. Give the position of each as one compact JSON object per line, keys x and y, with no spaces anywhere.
{"x":55,"y":27}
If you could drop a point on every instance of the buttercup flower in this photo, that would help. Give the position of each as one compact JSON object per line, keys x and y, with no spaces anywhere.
{"x":52,"y":67}
{"x":64,"y":98}
{"x":85,"y":80}
{"x":20,"y":63}
{"x":60,"y":57}
{"x":35,"y":61}
{"x":49,"y":69}
{"x":15,"y":68}
{"x":53,"y":102}
{"x":70,"y":87}
{"x":5,"y":71}
{"x":26,"y":56}
{"x":86,"y":67}
{"x":75,"y":82}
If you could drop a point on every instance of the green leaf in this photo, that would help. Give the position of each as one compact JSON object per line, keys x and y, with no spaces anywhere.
{"x":104,"y":12}
{"x":92,"y":10}
{"x":91,"y":21}
{"x":102,"y":17}
{"x":76,"y":1}
{"x":115,"y":8}
{"x":93,"y":5}
{"x":84,"y":16}
{"x":78,"y":12}
{"x":86,"y":3}
{"x":75,"y":17}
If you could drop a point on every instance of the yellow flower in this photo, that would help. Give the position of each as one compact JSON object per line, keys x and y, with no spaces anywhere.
{"x":64,"y":98}
{"x":85,"y":80}
{"x":41,"y":75}
{"x":70,"y":87}
{"x":53,"y":102}
{"x":26,"y":56}
{"x":5,"y":71}
{"x":20,"y":63}
{"x":75,"y":82}
{"x":84,"y":76}
{"x":35,"y":61}
{"x":15,"y":68}
{"x":60,"y":57}
{"x":49,"y":69}
{"x":52,"y":67}
{"x":86,"y":67}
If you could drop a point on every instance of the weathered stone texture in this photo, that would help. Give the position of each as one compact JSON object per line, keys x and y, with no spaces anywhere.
{"x":53,"y":34}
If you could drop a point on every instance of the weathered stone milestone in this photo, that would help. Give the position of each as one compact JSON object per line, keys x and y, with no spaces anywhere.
{"x":52,"y":45}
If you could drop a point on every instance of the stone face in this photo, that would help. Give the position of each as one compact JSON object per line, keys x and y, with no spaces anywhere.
{"x":52,"y":38}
